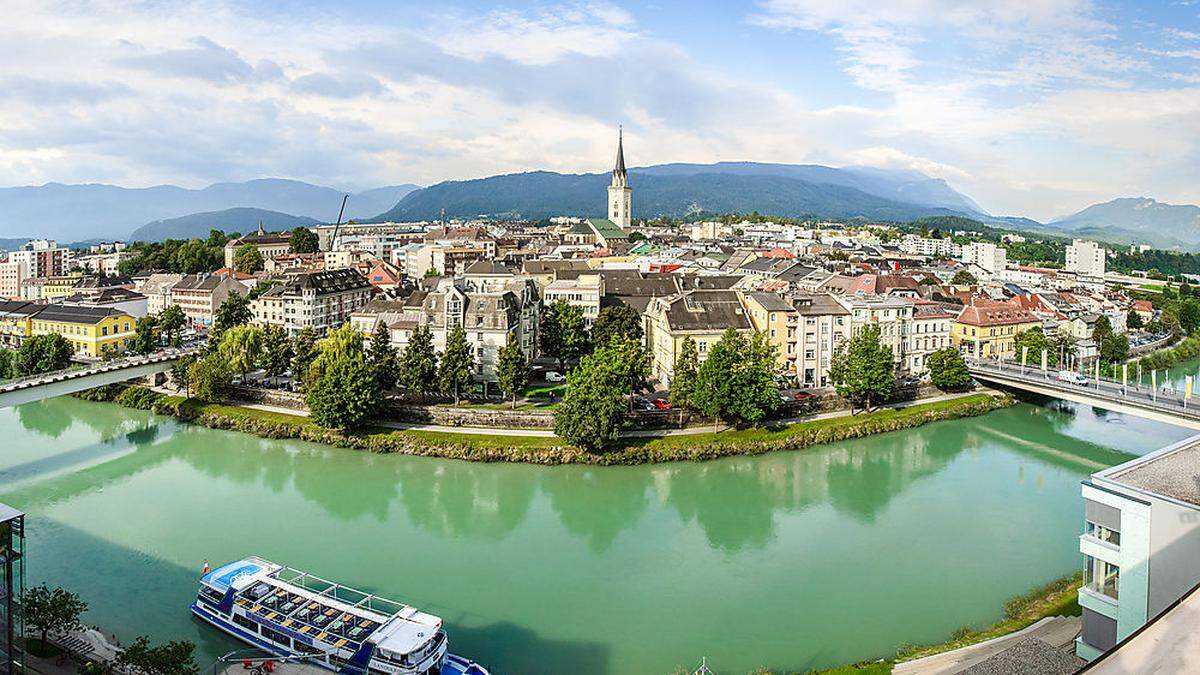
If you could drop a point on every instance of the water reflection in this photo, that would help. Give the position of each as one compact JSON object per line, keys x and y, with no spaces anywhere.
{"x":596,"y":504}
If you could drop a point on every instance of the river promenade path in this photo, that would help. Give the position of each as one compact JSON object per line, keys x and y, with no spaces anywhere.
{"x":635,"y":433}
{"x":1058,"y":632}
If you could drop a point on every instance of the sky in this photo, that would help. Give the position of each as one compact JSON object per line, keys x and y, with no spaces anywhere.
{"x":1036,"y":108}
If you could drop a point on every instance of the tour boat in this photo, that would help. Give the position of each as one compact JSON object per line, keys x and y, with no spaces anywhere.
{"x":293,"y":614}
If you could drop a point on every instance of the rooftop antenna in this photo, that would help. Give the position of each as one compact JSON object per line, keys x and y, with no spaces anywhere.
{"x":338,"y":225}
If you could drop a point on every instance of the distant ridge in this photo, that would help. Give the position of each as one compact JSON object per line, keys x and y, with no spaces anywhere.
{"x":197,"y":225}
{"x":1136,"y":219}
{"x":679,"y":189}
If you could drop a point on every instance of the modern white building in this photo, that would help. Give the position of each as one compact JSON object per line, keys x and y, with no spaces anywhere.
{"x":914,"y":245}
{"x":987,"y":255}
{"x":1085,"y":257}
{"x":1140,"y":542}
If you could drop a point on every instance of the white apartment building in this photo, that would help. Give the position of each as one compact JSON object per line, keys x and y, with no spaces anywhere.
{"x":915,"y":245}
{"x":43,"y":258}
{"x":822,"y":325}
{"x":992,"y":258}
{"x":321,"y":301}
{"x":12,"y":273}
{"x":893,"y":315}
{"x":104,"y":264}
{"x":583,"y":291}
{"x":1140,"y":543}
{"x":928,"y":332}
{"x":1085,"y":258}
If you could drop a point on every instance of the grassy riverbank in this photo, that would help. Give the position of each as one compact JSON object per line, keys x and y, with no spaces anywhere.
{"x":1057,"y":598}
{"x":1189,"y":348}
{"x":551,"y":450}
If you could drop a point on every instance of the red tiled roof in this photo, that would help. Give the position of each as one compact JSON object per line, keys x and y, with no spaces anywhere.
{"x":995,"y":314}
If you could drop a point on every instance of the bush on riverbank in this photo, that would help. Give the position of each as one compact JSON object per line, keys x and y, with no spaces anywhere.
{"x":551,"y":450}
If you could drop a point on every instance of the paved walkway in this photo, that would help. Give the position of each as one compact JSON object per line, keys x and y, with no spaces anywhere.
{"x":637,"y":433}
{"x":1057,"y":631}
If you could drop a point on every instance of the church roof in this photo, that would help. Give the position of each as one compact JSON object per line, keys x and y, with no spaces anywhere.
{"x":607,"y":229}
{"x":619,"y":168}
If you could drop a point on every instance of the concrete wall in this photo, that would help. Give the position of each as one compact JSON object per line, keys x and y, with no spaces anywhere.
{"x":1174,"y":553}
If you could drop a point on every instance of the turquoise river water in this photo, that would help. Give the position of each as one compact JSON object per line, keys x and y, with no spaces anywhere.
{"x":791,"y":560}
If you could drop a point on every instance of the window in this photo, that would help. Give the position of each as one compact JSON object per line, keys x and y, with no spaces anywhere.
{"x":1101,"y":577}
{"x":1102,"y":533}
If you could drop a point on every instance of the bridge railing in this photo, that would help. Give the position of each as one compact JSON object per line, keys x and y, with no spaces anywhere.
{"x":81,"y":370}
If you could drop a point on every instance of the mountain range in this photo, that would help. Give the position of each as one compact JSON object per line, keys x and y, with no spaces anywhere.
{"x":239,"y":219}
{"x":76,"y":212}
{"x":682,"y":189}
{"x":1136,"y":220}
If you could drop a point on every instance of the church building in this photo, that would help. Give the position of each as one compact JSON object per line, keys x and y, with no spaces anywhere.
{"x":614,"y":228}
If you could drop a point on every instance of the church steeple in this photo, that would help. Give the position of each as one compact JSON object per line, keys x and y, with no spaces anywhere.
{"x":620,"y":196}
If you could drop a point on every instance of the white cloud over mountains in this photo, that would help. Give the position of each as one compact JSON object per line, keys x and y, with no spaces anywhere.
{"x":1033,"y":108}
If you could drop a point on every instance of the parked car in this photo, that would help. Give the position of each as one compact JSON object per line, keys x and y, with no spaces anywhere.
{"x":1072,"y":377}
{"x":662,"y":404}
{"x":555,"y":376}
{"x":643,"y":403}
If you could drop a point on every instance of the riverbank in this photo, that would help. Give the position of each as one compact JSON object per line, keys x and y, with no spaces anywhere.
{"x":1188,"y":349}
{"x":552,"y":450}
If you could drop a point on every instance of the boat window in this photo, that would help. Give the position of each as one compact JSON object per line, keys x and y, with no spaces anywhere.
{"x":245,"y":623}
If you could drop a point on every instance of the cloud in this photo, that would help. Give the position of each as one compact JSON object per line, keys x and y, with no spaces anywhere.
{"x":338,"y":85}
{"x":205,"y":60}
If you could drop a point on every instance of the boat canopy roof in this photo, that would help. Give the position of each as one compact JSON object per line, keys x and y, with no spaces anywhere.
{"x":239,"y":575}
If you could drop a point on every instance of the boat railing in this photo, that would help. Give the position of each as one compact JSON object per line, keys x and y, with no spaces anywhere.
{"x":336,"y":591}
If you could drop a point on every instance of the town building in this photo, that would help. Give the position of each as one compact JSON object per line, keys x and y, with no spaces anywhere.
{"x":199,"y":295}
{"x":620,"y":195}
{"x":103,"y":264}
{"x":1140,"y":543}
{"x":269,"y":245}
{"x":12,"y":588}
{"x":59,"y":287}
{"x":12,"y":273}
{"x":772,"y":316}
{"x":321,"y":301}
{"x":16,"y":321}
{"x":823,"y":325}
{"x":43,"y":258}
{"x":929,"y":332}
{"x":928,"y":246}
{"x":988,"y":329}
{"x":988,"y":256}
{"x":92,"y":331}
{"x":892,"y":314}
{"x":703,"y":316}
{"x":583,"y":291}
{"x":1086,"y":258}
{"x":157,"y":289}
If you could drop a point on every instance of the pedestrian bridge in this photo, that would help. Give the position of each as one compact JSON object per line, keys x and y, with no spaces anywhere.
{"x":81,"y":377}
{"x":1162,"y":405}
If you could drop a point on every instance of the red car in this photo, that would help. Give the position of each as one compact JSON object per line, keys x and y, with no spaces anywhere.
{"x":803,"y":396}
{"x":661,"y":404}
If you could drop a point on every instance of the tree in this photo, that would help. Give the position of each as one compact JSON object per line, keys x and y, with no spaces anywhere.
{"x":630,"y":361}
{"x":1102,"y":330}
{"x":1035,"y":339}
{"x":736,"y":383}
{"x":171,"y":322}
{"x":276,"y":351}
{"x":195,"y":256}
{"x":457,"y":364}
{"x":683,"y":379}
{"x":512,"y":371}
{"x":6,"y":364}
{"x":172,"y":658}
{"x":304,"y":240}
{"x":304,"y":351}
{"x":418,"y":363}
{"x":247,"y":259}
{"x":341,"y":391}
{"x":862,"y":368}
{"x":382,"y":356}
{"x":210,"y":378}
{"x":181,"y":373}
{"x":1134,"y":320}
{"x":52,"y":610}
{"x":144,"y":339}
{"x":590,"y":414}
{"x":42,"y":354}
{"x":234,"y":311}
{"x":614,"y":321}
{"x":561,"y":334}
{"x":1114,"y":348}
{"x":240,"y":347}
{"x":947,"y":370}
{"x":963,"y":278}
{"x":1189,"y":314}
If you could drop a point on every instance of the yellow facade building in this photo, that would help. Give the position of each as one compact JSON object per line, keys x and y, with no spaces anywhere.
{"x":57,"y":288}
{"x":990,"y":329}
{"x":92,"y":331}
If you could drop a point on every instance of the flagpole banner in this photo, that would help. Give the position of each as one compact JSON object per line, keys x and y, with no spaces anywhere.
{"x":1024,"y":355}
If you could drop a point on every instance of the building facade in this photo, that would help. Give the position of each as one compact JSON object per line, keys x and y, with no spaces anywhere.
{"x":92,"y":331}
{"x":199,"y":295}
{"x":620,"y":195}
{"x":990,"y":329}
{"x":990,"y":257}
{"x":1085,"y":257}
{"x":12,"y":587}
{"x":321,"y":301}
{"x":703,"y":316}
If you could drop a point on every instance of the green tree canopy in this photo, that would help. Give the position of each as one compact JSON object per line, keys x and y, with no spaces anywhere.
{"x":304,"y":240}
{"x":233,"y":311}
{"x":171,"y":322}
{"x":247,"y":259}
{"x":181,"y":373}
{"x":617,"y":320}
{"x":7,"y":357}
{"x":341,"y":390}
{"x":382,"y":356}
{"x":862,"y":368}
{"x":145,"y":339}
{"x":240,"y":347}
{"x":512,"y":372}
{"x":457,"y":368}
{"x":1134,"y":321}
{"x":304,"y":351}
{"x":1035,"y":339}
{"x":418,"y":362}
{"x":736,"y":382}
{"x":210,"y":378}
{"x":562,"y":334}
{"x":172,"y":658}
{"x":963,"y":278}
{"x":1189,"y":314}
{"x":42,"y":354}
{"x":683,"y":377}
{"x":590,"y":414}
{"x":947,"y":370}
{"x":276,"y":355}
{"x":52,"y":610}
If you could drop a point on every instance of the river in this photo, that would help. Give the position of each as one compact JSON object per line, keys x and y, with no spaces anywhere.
{"x":790,"y":560}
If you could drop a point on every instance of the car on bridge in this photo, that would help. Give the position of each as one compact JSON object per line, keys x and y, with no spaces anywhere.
{"x":1072,"y":377}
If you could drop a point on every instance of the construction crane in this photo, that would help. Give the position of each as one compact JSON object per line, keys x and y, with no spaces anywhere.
{"x":338,"y":224}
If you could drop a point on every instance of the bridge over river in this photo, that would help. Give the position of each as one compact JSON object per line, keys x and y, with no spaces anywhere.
{"x":1164,"y":404}
{"x":81,"y":377}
